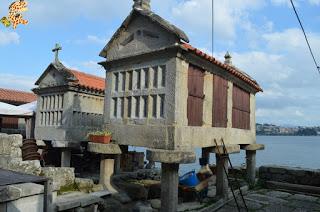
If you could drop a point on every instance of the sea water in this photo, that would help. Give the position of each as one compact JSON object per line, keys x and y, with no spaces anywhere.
{"x":294,"y":151}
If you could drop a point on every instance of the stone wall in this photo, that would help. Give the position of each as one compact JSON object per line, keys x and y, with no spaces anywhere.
{"x":290,"y":175}
{"x":11,"y":156}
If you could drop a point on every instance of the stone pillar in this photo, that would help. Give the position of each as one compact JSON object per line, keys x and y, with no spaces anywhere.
{"x":222,"y":180}
{"x":251,"y":166}
{"x":47,"y":198}
{"x":170,"y":160}
{"x":106,"y":172}
{"x":205,"y":155}
{"x":117,"y":164}
{"x":65,"y":158}
{"x":169,"y":187}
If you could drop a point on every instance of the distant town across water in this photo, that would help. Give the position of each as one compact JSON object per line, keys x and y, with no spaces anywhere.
{"x":271,"y":129}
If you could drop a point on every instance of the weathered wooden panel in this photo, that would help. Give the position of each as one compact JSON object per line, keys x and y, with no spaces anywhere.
{"x":241,"y":108}
{"x":196,"y":96}
{"x":10,"y":123}
{"x":220,"y":100}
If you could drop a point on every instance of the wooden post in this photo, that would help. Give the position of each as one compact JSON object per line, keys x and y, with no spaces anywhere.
{"x":30,"y":125}
{"x":47,"y":196}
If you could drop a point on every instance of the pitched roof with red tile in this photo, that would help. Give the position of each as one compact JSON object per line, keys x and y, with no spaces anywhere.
{"x":89,"y":81}
{"x":231,"y":69}
{"x":16,"y":97}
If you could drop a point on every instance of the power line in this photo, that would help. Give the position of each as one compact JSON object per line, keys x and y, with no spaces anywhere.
{"x":305,"y":35}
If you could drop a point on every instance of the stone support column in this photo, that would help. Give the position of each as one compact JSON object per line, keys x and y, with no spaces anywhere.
{"x":205,"y":155}
{"x":251,"y":150}
{"x":222,"y":179}
{"x":169,"y":187}
{"x":106,"y":172}
{"x":117,"y":164}
{"x":107,"y":164}
{"x":65,"y":158}
{"x":170,"y":160}
{"x":251,"y":166}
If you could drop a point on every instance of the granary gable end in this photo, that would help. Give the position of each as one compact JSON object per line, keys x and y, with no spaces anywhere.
{"x":142,"y":31}
{"x":56,"y":74}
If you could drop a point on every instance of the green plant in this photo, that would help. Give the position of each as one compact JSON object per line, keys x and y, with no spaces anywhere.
{"x":100,"y":133}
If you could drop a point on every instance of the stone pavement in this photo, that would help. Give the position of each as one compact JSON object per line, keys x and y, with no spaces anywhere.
{"x":265,"y":200}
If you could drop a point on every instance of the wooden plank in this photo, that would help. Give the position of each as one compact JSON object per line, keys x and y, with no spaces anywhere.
{"x":8,"y":177}
{"x":220,"y":100}
{"x":195,"y":96}
{"x":241,"y":108}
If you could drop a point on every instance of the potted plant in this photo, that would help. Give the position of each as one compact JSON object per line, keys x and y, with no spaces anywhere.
{"x":103,"y":137}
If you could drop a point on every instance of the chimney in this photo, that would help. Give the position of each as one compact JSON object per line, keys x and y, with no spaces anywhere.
{"x":228,"y":59}
{"x":142,"y":5}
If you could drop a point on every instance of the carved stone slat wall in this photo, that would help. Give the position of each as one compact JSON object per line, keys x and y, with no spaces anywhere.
{"x":51,"y":110}
{"x":139,"y":93}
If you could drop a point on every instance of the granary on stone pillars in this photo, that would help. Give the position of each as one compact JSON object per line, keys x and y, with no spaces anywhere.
{"x":70,"y":104}
{"x":166,"y":95}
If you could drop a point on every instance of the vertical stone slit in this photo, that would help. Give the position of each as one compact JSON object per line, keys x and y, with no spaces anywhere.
{"x":162,"y":101}
{"x":154,"y":106}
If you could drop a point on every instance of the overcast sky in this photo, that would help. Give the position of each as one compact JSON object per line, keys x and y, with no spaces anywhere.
{"x":262,"y":35}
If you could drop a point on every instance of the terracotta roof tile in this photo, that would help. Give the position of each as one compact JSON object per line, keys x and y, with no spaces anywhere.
{"x":241,"y":75}
{"x":89,"y":81}
{"x":16,"y":97}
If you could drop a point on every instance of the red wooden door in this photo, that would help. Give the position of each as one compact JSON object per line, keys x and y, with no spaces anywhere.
{"x":240,"y":108}
{"x":195,"y":96}
{"x":220,"y":100}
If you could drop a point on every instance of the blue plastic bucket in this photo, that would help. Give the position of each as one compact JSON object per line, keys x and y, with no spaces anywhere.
{"x":189,"y":179}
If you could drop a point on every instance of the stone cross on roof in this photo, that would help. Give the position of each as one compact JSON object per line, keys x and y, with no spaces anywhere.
{"x":56,"y":50}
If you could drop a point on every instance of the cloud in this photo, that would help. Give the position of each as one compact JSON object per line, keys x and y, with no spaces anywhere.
{"x":314,"y":2}
{"x":93,"y":67}
{"x":91,"y":39}
{"x":64,"y":11}
{"x":19,"y":82}
{"x":7,"y":37}
{"x":195,"y":16}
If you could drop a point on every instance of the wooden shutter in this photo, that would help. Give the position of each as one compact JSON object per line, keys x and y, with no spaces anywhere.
{"x":220,"y":100}
{"x":240,"y":108}
{"x":195,"y":96}
{"x":10,"y":123}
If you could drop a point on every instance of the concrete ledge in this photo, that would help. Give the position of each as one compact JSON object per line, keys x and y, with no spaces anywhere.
{"x":108,"y":149}
{"x":252,"y":147}
{"x":230,"y":149}
{"x":292,"y":187}
{"x":170,"y":156}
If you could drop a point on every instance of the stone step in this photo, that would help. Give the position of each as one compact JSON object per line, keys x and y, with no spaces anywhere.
{"x":78,"y":199}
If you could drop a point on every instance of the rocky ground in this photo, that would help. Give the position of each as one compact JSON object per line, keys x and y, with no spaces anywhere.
{"x":265,"y":200}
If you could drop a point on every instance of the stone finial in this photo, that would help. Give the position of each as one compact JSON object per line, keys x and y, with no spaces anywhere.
{"x":56,"y":50}
{"x":142,"y":5}
{"x":228,"y":59}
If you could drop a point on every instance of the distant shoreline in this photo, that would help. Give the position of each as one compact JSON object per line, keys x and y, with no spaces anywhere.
{"x":286,"y":135}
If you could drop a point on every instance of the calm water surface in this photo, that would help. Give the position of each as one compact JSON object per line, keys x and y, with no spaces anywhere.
{"x":296,"y":151}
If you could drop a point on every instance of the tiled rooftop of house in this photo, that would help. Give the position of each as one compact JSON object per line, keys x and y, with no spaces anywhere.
{"x":89,"y":81}
{"x":16,"y":97}
{"x":233,"y":70}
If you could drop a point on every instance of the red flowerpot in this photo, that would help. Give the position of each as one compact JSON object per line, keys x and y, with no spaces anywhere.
{"x":103,"y":139}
